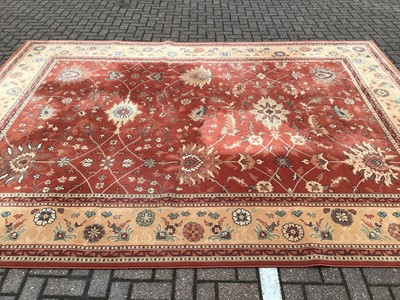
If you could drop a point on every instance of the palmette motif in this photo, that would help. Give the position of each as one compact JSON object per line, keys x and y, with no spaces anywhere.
{"x":252,"y":152}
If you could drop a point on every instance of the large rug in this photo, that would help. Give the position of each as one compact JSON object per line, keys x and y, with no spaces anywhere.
{"x":117,"y":154}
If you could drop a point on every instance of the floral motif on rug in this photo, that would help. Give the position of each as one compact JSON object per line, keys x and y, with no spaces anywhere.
{"x":163,"y":154}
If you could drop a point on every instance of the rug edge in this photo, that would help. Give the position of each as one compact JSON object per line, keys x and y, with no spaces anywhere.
{"x":198,"y":265}
{"x":9,"y":60}
{"x":27,"y":44}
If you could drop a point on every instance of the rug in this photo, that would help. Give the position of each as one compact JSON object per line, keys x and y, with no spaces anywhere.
{"x":123,"y":155}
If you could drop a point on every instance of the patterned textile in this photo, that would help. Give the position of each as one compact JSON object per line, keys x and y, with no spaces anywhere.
{"x":116,"y":154}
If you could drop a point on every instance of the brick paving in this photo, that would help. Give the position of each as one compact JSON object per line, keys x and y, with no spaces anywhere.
{"x":200,"y":20}
{"x":130,"y":284}
{"x":340,"y":283}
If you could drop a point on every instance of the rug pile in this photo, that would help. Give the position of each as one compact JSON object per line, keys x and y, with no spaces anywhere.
{"x":117,"y":154}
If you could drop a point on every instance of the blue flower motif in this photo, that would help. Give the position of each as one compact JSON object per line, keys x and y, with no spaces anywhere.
{"x":373,"y":67}
{"x":106,"y":214}
{"x":279,"y":53}
{"x":396,"y":214}
{"x":201,"y":213}
{"x":382,"y":214}
{"x":214,"y":215}
{"x":90,"y":214}
{"x":185,"y":213}
{"x":358,"y":61}
{"x":5,"y":214}
{"x":13,"y":91}
{"x":280,"y":213}
{"x":297,"y":213}
{"x":173,"y":216}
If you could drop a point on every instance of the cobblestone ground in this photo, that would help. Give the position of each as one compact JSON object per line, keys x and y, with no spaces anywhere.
{"x":200,"y":20}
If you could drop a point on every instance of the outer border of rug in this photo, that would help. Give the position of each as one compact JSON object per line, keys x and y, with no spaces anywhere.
{"x":181,"y":263}
{"x":20,"y":49}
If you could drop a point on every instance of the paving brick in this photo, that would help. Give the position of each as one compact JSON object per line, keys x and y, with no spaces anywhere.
{"x":32,"y":288}
{"x":184,"y":284}
{"x":396,"y":292}
{"x":331,"y":292}
{"x":228,"y":291}
{"x":382,"y":275}
{"x":206,"y":291}
{"x":80,"y":273}
{"x":300,"y":275}
{"x":247,"y":274}
{"x":164,"y":274}
{"x":133,"y":274}
{"x":49,"y":272}
{"x":13,"y":280}
{"x":216,"y":274}
{"x":64,"y":287}
{"x":293,"y":292}
{"x":357,"y":288}
{"x":119,"y":290}
{"x":99,"y":283}
{"x":331,"y":275}
{"x":151,"y":290}
{"x":381,"y":293}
